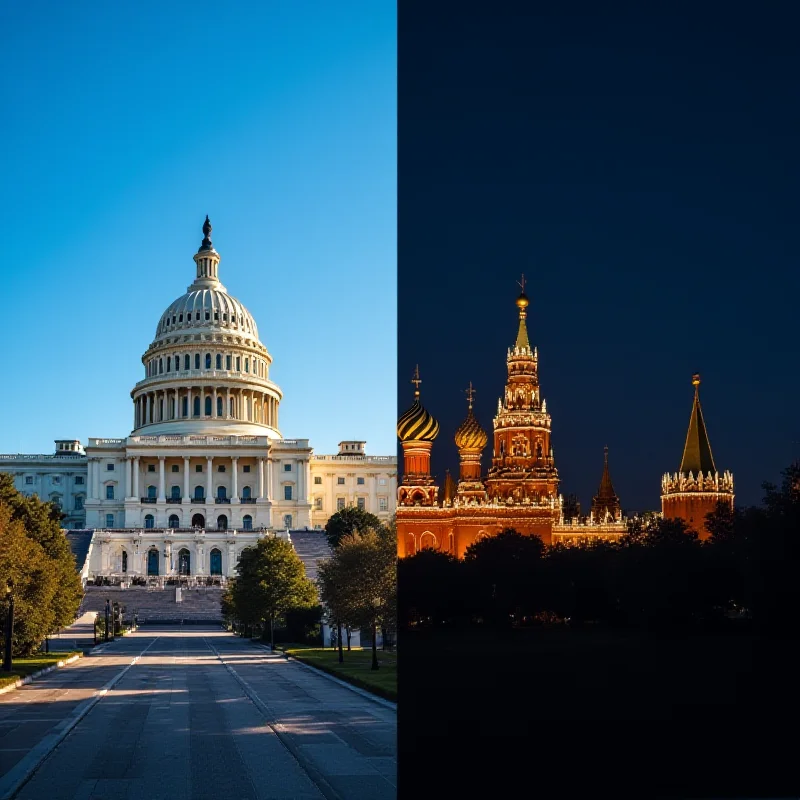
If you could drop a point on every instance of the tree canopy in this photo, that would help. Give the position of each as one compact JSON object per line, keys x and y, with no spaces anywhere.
{"x":347,"y":522}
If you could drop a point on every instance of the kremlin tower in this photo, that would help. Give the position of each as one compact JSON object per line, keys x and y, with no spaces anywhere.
{"x":470,"y":440}
{"x":697,"y":487}
{"x":605,"y":504}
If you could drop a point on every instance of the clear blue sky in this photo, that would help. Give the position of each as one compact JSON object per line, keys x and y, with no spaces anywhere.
{"x":122,"y":127}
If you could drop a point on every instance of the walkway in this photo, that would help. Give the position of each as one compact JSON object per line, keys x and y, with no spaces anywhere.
{"x":78,"y":636}
{"x":200,"y":714}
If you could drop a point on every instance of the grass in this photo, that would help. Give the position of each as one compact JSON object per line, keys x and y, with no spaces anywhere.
{"x":22,"y":667}
{"x":355,"y":669}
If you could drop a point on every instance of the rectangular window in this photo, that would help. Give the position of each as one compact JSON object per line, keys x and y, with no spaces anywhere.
{"x":227,"y":362}
{"x":318,"y":504}
{"x":151,"y":467}
{"x":361,"y":503}
{"x":175,"y":467}
{"x":340,"y":481}
{"x":360,"y":481}
{"x":109,"y":467}
{"x":198,"y":468}
{"x":238,"y":364}
{"x":287,"y":467}
{"x":317,"y":480}
{"x":29,"y":480}
{"x":109,"y":520}
{"x":246,"y":468}
{"x":339,"y":503}
{"x":109,"y":492}
{"x":79,"y":480}
{"x":383,"y":504}
{"x":382,"y":481}
{"x":287,"y":492}
{"x":78,"y":503}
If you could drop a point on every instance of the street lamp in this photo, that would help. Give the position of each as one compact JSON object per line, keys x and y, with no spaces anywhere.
{"x":9,"y":625}
{"x":108,"y":612}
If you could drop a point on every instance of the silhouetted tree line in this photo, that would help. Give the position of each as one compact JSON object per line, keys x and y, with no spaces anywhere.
{"x":658,"y":575}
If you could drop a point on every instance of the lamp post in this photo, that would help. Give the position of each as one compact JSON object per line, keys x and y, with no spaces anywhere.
{"x":108,"y":612}
{"x":9,"y":626}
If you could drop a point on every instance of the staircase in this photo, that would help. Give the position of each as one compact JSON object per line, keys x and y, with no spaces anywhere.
{"x":312,"y":547}
{"x":158,"y":606}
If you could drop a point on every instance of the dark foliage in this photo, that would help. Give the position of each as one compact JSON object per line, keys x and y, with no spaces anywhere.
{"x":348,"y":521}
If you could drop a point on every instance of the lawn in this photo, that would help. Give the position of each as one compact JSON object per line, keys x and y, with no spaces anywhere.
{"x":355,"y":669}
{"x":21,"y":667}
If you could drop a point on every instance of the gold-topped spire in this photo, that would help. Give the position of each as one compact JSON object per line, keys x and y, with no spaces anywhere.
{"x":522,"y":303}
{"x":470,"y":435}
{"x":697,"y":450}
{"x":416,"y":380}
{"x":470,"y":393}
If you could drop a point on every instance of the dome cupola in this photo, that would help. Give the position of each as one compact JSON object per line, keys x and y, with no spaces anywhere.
{"x":417,"y":424}
{"x":470,"y":435}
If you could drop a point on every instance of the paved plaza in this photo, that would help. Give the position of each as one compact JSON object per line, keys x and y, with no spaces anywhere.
{"x":198,"y":714}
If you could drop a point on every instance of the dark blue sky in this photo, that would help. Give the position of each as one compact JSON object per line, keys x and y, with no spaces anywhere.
{"x":641,"y":167}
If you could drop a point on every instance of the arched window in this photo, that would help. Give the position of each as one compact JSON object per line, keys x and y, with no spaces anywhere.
{"x":287,"y":521}
{"x":149,"y":521}
{"x":222,"y":522}
{"x":175,"y":493}
{"x":245,"y":492}
{"x":160,"y":365}
{"x":427,"y":540}
{"x":221,"y":493}
{"x":230,"y":410}
{"x":198,"y":493}
{"x":184,"y":562}
{"x":219,"y":361}
{"x":169,"y":363}
{"x":174,"y":522}
{"x":215,"y":562}
{"x":247,"y":522}
{"x":124,"y":561}
{"x":197,"y":360}
{"x":197,"y":407}
{"x":247,"y":365}
{"x":208,"y":406}
{"x":152,"y":562}
{"x":151,"y":492}
{"x":198,"y":521}
{"x":208,"y":360}
{"x":219,"y":406}
{"x":187,"y":361}
{"x":185,"y":407}
{"x":227,"y":362}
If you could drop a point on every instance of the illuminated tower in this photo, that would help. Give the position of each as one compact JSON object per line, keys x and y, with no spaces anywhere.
{"x":697,"y":487}
{"x":605,"y":504}
{"x":417,"y":429}
{"x":471,"y":439}
{"x":523,"y":468}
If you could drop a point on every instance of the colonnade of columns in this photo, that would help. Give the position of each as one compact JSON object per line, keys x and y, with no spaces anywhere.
{"x":247,"y":405}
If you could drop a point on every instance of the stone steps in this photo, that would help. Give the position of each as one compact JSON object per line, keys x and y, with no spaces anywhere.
{"x":157,"y":605}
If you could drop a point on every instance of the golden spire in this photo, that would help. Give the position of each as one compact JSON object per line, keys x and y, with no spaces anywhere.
{"x":416,"y":380}
{"x":470,"y":393}
{"x":522,"y":303}
{"x":697,"y":450}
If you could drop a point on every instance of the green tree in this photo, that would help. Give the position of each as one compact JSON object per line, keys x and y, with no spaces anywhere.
{"x":271,"y":580}
{"x":365,"y":571}
{"x":334,"y":584}
{"x":24,"y":563}
{"x":42,"y":523}
{"x":347,"y":522}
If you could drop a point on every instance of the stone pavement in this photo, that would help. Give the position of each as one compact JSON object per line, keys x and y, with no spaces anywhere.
{"x":201,"y":714}
{"x":78,"y":636}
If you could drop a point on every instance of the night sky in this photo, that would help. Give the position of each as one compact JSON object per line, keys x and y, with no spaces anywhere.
{"x":641,"y":167}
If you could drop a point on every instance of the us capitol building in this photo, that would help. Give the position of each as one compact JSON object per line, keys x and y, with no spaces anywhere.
{"x":205,"y":470}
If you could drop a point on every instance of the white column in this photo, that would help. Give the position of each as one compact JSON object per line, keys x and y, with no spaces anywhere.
{"x":227,"y":403}
{"x":301,"y":468}
{"x":128,"y":477}
{"x":97,"y":479}
{"x":209,"y":480}
{"x":186,"y":490}
{"x":161,"y":490}
{"x":136,"y":477}
{"x":269,"y":479}
{"x":147,"y":412}
{"x":214,"y":404}
{"x":235,"y":480}
{"x":261,"y":479}
{"x":188,"y":402}
{"x":307,"y":480}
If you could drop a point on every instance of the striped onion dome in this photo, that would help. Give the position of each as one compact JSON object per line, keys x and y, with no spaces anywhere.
{"x":417,"y":425}
{"x":470,"y":435}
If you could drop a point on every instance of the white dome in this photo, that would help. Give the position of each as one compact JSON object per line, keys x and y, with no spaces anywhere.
{"x":207,"y":308}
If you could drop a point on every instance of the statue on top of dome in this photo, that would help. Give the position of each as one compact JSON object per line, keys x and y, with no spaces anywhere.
{"x":206,"y":245}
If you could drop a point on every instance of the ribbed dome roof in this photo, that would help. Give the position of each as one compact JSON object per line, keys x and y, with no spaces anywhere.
{"x":417,"y":424}
{"x":470,"y":435}
{"x":207,"y":308}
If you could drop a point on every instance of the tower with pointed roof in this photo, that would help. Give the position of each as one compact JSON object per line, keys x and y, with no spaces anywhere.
{"x":417,"y":429}
{"x":605,"y":504}
{"x":470,"y":439}
{"x":523,"y":466}
{"x":697,"y":487}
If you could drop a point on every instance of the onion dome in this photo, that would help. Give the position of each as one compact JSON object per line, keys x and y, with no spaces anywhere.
{"x":470,"y":435}
{"x":417,"y":424}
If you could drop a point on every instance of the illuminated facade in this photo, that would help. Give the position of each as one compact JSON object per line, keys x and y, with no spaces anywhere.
{"x":697,"y":487}
{"x":520,"y":490}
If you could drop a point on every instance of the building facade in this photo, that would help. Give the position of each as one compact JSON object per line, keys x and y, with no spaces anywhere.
{"x":520,"y":489}
{"x":205,"y":469}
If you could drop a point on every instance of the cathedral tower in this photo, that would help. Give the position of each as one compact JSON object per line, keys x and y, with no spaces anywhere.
{"x":605,"y":504}
{"x":417,"y":429}
{"x":697,"y":487}
{"x":470,"y":439}
{"x":523,"y":468}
